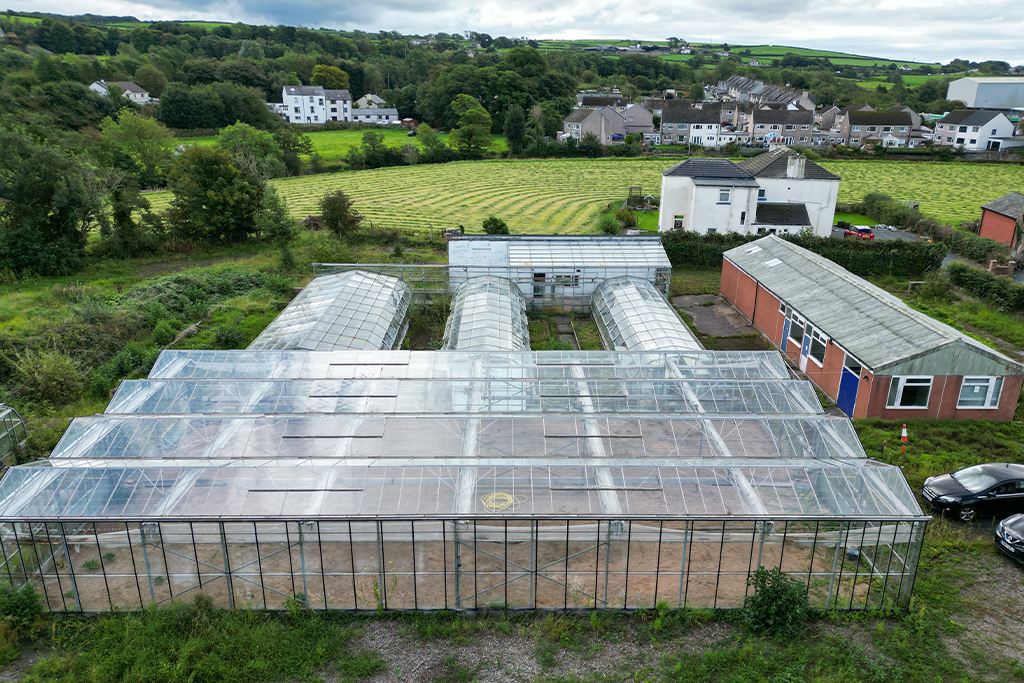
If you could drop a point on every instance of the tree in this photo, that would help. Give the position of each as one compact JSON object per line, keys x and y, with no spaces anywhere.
{"x":49,"y":200}
{"x":432,"y":147}
{"x":140,"y":145}
{"x":213,"y":200}
{"x":152,"y":79}
{"x":696,"y":91}
{"x":330,"y":77}
{"x":515,"y":128}
{"x":495,"y":226}
{"x":293,"y":146}
{"x":253,"y":150}
{"x":472,"y":138}
{"x":338,"y":215}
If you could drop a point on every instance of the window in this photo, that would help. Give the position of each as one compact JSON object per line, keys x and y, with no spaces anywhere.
{"x":712,"y":231}
{"x":723,"y":196}
{"x":796,"y":328}
{"x":803,"y":138}
{"x":909,"y":392}
{"x":973,"y":141}
{"x":903,"y":129}
{"x":872,"y":129}
{"x":974,"y":129}
{"x":852,"y":364}
{"x":670,"y":126}
{"x":760,"y":126}
{"x":678,"y":221}
{"x":682,"y":126}
{"x":993,"y":131}
{"x":743,"y":217}
{"x":980,"y":392}
{"x":963,"y":129}
{"x":818,"y":344}
{"x":856,"y":128}
{"x":697,"y":126}
{"x":805,"y":127}
{"x":886,"y":129}
{"x":296,"y":110}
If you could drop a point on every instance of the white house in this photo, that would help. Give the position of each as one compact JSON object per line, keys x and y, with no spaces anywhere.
{"x":691,"y":127}
{"x":776,"y":192}
{"x":369,"y":101}
{"x":973,"y":130}
{"x":988,"y":93}
{"x":378,"y":115}
{"x":132,"y":91}
{"x":313,"y":104}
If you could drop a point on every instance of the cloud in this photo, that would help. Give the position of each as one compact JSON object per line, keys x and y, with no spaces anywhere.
{"x":923,"y":30}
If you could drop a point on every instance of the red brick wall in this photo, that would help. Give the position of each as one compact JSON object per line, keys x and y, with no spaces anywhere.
{"x":767,"y":317}
{"x":997,"y":227}
{"x":941,"y":402}
{"x":746,"y":294}
{"x":865,"y":392}
{"x":827,"y":376}
{"x":730,"y":278}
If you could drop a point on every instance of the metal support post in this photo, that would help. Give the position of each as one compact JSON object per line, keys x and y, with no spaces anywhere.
{"x":227,"y":565}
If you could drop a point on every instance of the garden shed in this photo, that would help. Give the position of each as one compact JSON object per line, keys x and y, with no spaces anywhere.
{"x":865,"y":348}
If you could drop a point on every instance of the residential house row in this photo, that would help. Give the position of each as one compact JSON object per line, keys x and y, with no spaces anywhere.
{"x":317,"y":105}
{"x":132,"y":91}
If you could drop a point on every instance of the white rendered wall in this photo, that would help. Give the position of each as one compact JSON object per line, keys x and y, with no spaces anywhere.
{"x":818,"y":195}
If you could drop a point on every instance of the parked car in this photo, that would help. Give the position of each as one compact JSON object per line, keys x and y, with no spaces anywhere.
{"x":1010,"y":537}
{"x":990,"y":490}
{"x":861,"y":232}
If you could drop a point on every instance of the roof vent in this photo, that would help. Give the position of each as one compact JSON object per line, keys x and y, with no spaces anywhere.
{"x":752,"y":250}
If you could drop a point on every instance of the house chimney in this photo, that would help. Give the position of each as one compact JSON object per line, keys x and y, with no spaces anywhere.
{"x":795,"y":165}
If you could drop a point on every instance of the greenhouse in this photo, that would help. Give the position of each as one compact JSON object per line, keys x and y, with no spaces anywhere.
{"x":488,"y":314}
{"x":356,"y":309}
{"x":13,"y":435}
{"x":459,"y":480}
{"x":632,"y":315}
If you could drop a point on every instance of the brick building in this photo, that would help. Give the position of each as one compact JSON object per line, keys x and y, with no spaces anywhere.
{"x":866,"y":349}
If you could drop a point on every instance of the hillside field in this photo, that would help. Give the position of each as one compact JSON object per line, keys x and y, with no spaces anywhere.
{"x":564,"y":196}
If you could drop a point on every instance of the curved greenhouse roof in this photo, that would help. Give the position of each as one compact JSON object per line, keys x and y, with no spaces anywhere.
{"x":356,"y":309}
{"x":488,"y":314}
{"x":632,"y":315}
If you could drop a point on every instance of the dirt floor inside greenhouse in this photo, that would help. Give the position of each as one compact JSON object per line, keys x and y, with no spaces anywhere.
{"x":643,"y":567}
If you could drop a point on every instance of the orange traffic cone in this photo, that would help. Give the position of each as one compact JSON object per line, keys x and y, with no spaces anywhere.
{"x":904,"y":439}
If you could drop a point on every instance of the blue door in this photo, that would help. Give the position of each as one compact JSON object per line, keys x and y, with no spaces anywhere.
{"x":785,"y":334}
{"x":848,"y":391}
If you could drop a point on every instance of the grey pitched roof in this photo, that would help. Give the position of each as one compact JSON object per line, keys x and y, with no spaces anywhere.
{"x":711,"y":116}
{"x":1011,"y":205}
{"x":578,"y":116}
{"x":879,"y":118}
{"x":773,"y":164}
{"x":304,"y":90}
{"x":799,"y":116}
{"x":337,"y":94}
{"x":603,"y":101}
{"x":782,"y":214}
{"x":128,"y":86}
{"x":881,"y":331}
{"x":708,"y":168}
{"x":969,"y":117}
{"x":376,"y":111}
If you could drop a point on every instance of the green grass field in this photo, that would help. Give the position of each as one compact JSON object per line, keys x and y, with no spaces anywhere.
{"x":564,"y":196}
{"x":334,"y":144}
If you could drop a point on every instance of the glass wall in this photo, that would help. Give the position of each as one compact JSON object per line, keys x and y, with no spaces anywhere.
{"x":632,"y":315}
{"x":488,"y":314}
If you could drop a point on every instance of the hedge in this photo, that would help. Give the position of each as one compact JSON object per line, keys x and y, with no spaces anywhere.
{"x":885,"y":209}
{"x":861,"y":257}
{"x":998,"y":289}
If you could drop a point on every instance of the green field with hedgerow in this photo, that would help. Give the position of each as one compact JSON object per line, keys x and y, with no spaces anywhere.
{"x":565,"y":195}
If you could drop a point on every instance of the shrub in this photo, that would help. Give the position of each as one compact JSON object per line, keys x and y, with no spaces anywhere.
{"x":495,"y":226}
{"x":997,"y":289}
{"x":778,"y":605}
{"x":228,"y":337}
{"x":608,"y":224}
{"x":134,"y":358}
{"x":49,"y":376}
{"x":326,"y":248}
{"x":20,"y":607}
{"x":164,"y":333}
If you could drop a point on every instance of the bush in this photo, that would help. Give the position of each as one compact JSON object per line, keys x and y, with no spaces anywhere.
{"x":20,"y":607}
{"x":608,"y":224}
{"x":164,"y":333}
{"x":133,"y":359}
{"x":997,"y":289}
{"x":778,"y":606}
{"x":495,"y":226}
{"x":338,"y":215}
{"x":326,"y":248}
{"x":49,"y":376}
{"x":228,"y":337}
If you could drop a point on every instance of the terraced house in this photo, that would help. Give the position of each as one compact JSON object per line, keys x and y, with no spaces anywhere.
{"x":691,"y":127}
{"x":789,"y":127}
{"x":313,"y":104}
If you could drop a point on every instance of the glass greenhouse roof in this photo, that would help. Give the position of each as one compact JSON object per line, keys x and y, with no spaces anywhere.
{"x":637,"y":490}
{"x":266,"y":439}
{"x":632,"y":315}
{"x":351,"y":310}
{"x":488,"y":314}
{"x":495,"y":396}
{"x":467,"y":365}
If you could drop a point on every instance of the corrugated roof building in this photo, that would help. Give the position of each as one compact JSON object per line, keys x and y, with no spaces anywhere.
{"x":865,"y":348}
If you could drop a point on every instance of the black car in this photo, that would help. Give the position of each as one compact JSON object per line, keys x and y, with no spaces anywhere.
{"x":1010,"y":537}
{"x":991,"y":490}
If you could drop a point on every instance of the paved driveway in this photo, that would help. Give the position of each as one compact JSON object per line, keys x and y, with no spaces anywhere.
{"x":883,"y":234}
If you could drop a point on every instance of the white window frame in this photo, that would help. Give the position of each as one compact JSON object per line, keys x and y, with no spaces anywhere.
{"x":992,"y":386}
{"x":724,"y":196}
{"x":679,"y":221}
{"x":893,"y":401}
{"x":816,"y":335}
{"x":797,"y":322}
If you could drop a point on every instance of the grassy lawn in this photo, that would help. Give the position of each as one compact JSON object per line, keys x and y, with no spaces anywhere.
{"x":853,"y":219}
{"x":647,"y":221}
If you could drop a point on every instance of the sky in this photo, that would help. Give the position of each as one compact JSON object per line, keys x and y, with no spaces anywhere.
{"x":915,"y":30}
